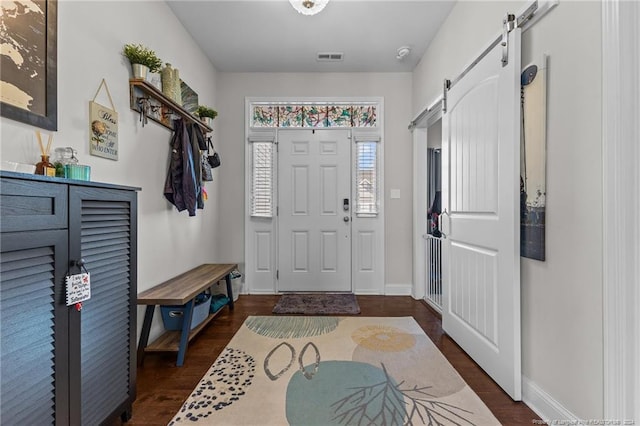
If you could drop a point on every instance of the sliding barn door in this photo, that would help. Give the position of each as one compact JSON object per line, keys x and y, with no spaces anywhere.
{"x":481,"y":169}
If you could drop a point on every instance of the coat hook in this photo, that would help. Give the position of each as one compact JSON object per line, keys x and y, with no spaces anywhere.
{"x":145,"y":105}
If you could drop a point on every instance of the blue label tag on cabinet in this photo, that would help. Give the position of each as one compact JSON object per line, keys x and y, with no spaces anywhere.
{"x":78,"y":288}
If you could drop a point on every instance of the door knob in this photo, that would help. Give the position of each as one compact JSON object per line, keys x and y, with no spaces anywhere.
{"x":78,"y":263}
{"x":346,"y":218}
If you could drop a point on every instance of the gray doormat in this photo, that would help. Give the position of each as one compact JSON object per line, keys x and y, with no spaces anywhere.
{"x":317,"y":304}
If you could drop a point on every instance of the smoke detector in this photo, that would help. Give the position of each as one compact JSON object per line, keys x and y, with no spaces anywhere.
{"x":402,"y":52}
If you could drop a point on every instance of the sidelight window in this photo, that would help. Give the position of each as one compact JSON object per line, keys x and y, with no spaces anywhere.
{"x":262,"y":179}
{"x":367,"y":191}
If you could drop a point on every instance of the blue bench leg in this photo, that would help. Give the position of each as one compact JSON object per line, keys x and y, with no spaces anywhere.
{"x":144,"y":335}
{"x":229,"y":291}
{"x":186,"y":328}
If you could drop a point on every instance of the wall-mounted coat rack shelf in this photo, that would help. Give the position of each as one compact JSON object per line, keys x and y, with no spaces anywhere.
{"x":152,"y":104}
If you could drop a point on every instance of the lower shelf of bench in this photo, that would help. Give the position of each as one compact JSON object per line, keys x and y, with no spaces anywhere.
{"x":170,"y":340}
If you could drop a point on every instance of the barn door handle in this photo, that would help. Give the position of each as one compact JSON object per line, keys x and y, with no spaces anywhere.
{"x":444,"y":213}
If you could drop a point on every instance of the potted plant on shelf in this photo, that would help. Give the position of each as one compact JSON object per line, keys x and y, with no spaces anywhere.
{"x":143,"y":60}
{"x":205,"y":113}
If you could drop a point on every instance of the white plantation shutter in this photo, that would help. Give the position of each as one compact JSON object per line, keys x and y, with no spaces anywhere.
{"x":262,"y":178}
{"x":367,"y":191}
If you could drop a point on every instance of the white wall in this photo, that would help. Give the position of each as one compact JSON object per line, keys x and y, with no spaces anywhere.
{"x":562,"y":331}
{"x":90,"y":40}
{"x":396,"y":90}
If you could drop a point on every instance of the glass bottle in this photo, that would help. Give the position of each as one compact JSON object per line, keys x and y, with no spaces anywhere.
{"x":64,"y":156}
{"x":44,"y":167}
{"x":59,"y":160}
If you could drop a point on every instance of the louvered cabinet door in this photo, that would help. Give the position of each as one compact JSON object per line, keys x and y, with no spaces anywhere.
{"x":34,"y":346}
{"x":102,"y":232}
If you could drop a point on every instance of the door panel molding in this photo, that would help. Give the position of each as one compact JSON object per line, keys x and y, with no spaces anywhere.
{"x":317,"y":256}
{"x":481,"y":259}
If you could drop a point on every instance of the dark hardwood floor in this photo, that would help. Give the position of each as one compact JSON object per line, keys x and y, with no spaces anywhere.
{"x":162,"y":387}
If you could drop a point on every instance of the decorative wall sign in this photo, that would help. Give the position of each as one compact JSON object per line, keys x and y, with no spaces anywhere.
{"x":78,"y":288}
{"x":533,"y":189}
{"x":189,"y":97}
{"x":28,"y":76}
{"x":103,"y":128}
{"x":155,"y":79}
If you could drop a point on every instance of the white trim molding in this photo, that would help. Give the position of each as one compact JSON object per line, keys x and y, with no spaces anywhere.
{"x":420,"y":129}
{"x":398,"y":289}
{"x":261,"y":233}
{"x":420,"y":205}
{"x":544,"y":405}
{"x":621,"y":201}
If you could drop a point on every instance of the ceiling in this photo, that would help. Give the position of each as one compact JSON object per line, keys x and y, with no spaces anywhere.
{"x":271,"y":36}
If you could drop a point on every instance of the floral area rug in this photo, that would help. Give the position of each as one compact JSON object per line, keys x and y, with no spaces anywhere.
{"x":317,"y":304}
{"x":304,"y":370}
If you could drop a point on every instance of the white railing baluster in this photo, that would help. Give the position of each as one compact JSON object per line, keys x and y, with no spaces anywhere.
{"x":434,"y":271}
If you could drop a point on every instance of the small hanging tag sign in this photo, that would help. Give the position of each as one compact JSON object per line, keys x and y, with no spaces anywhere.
{"x":103,"y":127}
{"x":78,"y":288}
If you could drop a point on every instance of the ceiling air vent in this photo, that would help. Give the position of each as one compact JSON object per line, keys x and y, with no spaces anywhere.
{"x":330,"y":56}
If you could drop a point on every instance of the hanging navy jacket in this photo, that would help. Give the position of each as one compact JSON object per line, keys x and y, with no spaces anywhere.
{"x":197,"y":142}
{"x":182,"y":188}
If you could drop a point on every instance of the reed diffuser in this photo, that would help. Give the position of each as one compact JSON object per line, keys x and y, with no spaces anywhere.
{"x":44,"y":167}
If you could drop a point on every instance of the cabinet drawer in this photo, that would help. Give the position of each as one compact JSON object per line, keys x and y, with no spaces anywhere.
{"x":32,"y":205}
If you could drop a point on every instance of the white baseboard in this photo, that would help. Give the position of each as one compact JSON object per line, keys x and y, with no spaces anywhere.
{"x":398,"y":289}
{"x":544,"y":405}
{"x":366,"y":292}
{"x":389,"y":290}
{"x":261,"y":292}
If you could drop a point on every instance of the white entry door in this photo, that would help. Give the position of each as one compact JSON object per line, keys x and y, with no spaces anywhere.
{"x":314,"y":201}
{"x":480,"y":189}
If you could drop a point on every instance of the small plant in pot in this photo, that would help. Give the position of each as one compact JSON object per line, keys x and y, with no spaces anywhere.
{"x":205,"y":113}
{"x":142,"y":60}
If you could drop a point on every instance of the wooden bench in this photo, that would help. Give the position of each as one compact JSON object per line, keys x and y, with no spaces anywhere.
{"x":181,"y":290}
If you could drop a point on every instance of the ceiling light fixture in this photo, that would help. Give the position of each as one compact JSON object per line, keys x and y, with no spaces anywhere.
{"x":402,"y":52}
{"x":308,"y":7}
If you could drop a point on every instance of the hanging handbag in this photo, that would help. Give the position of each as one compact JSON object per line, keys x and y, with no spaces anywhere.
{"x":212,"y":159}
{"x":207,"y":174}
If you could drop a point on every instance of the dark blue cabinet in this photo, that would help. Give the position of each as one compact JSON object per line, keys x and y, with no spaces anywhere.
{"x":59,"y":365}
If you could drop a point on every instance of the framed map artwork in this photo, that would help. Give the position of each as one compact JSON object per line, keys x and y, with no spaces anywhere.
{"x":28,"y":62}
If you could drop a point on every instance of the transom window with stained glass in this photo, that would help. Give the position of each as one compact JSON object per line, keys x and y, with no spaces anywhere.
{"x":314,"y":115}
